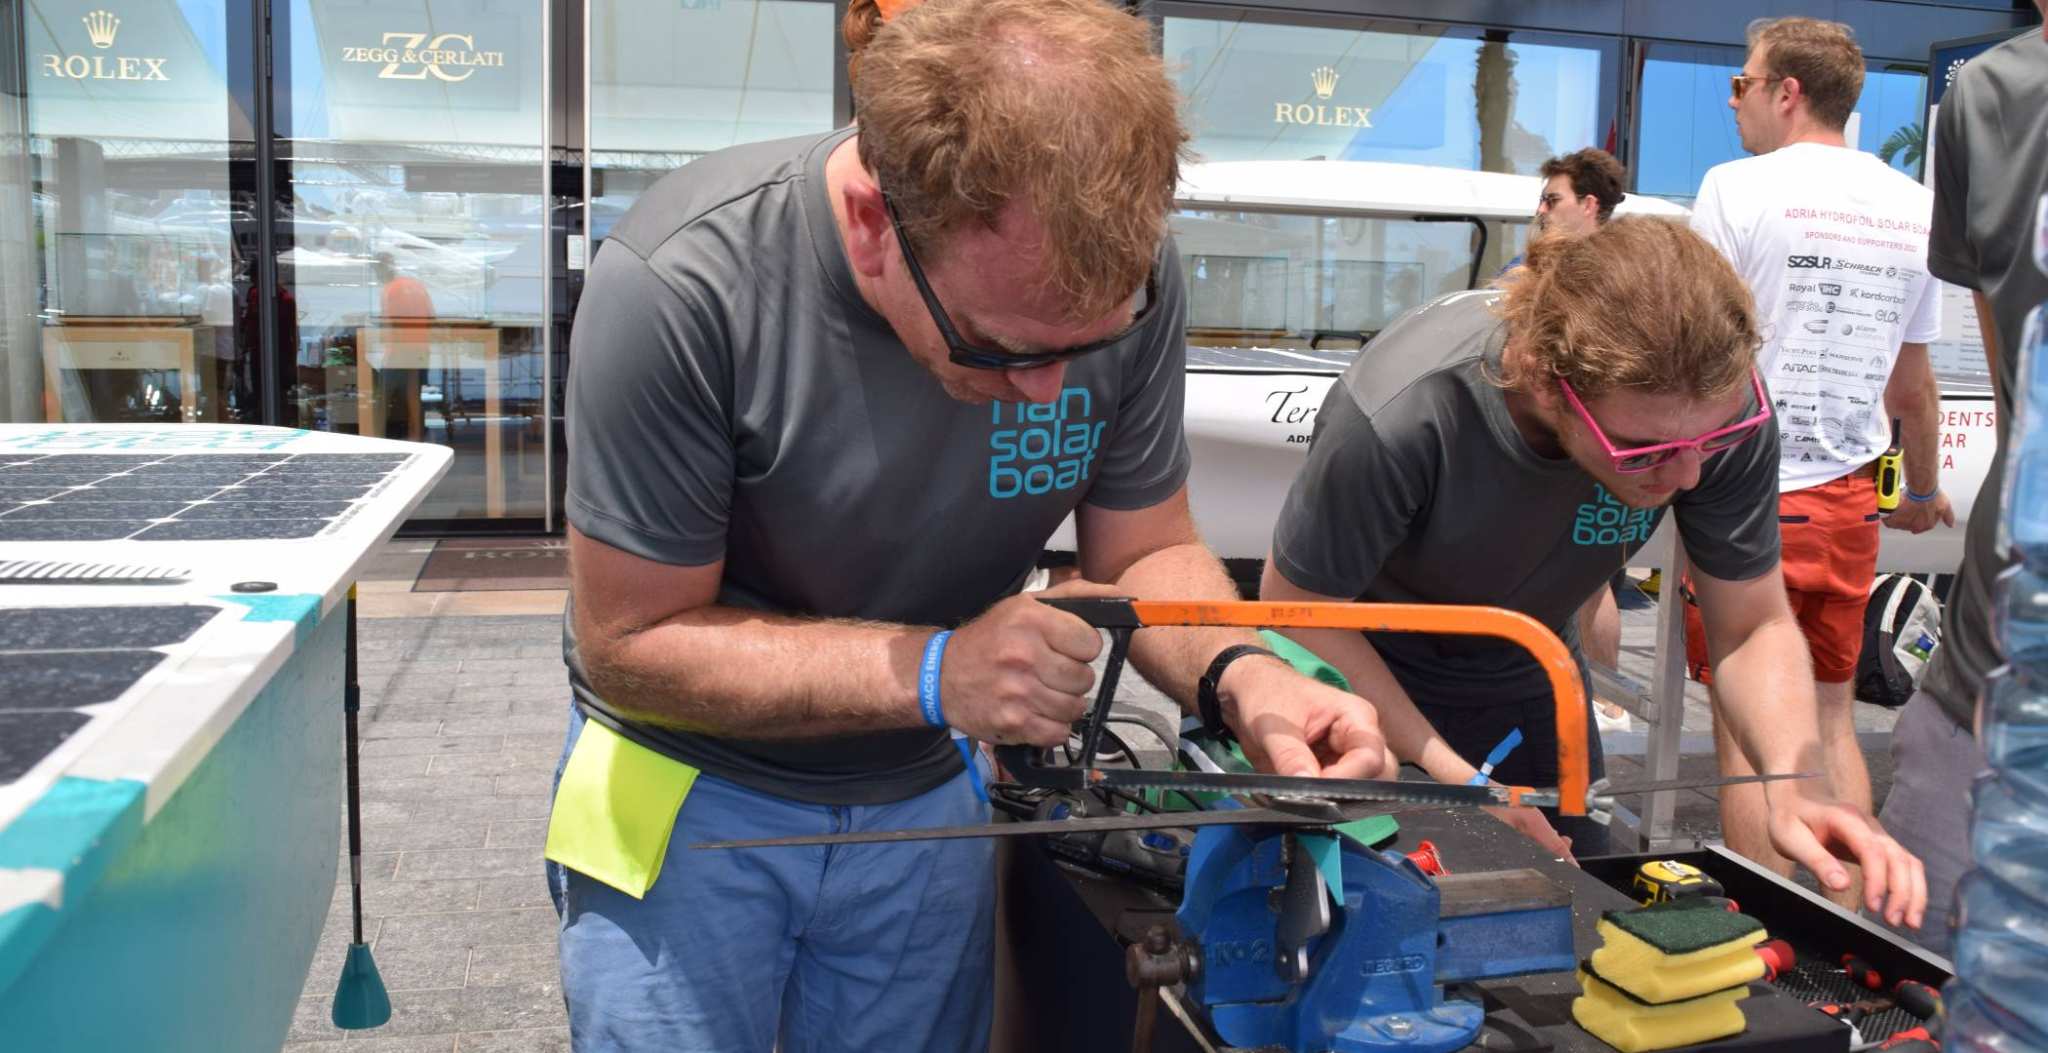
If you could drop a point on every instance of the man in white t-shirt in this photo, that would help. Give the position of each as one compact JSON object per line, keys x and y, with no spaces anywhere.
{"x":1833,"y":244}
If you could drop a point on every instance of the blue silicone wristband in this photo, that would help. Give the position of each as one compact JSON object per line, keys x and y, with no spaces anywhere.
{"x":1921,"y":499}
{"x":928,"y":678}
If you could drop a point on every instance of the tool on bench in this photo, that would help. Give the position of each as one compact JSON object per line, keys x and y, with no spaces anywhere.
{"x":1778,"y":958}
{"x":1862,"y":973}
{"x":1288,"y":935}
{"x":1664,"y":880}
{"x":1915,"y":1040}
{"x":1914,"y":997}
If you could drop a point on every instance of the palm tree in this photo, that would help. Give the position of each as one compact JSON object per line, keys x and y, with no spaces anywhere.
{"x":1907,"y":144}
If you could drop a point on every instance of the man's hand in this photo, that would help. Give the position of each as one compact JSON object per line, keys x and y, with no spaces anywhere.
{"x":1816,"y":832}
{"x":1919,"y":517}
{"x":1531,"y":824}
{"x":1019,"y":674}
{"x":1290,"y":724}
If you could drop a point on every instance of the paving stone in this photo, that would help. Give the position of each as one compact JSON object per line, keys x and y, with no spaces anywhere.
{"x":394,"y":729}
{"x":524,"y":784}
{"x":513,"y":1006}
{"x":527,"y":890}
{"x":524,"y":725}
{"x":518,"y":833}
{"x":543,"y":741}
{"x":471,"y":863}
{"x":554,"y":703}
{"x":542,"y":1040}
{"x":439,"y":744}
{"x":500,"y":763}
{"x":470,"y":928}
{"x":313,"y":1020}
{"x":530,"y":806}
{"x":424,"y":1013}
{"x":423,"y":967}
{"x":412,"y":691}
{"x":385,"y":898}
{"x":414,"y":833}
{"x":544,"y":665}
{"x":526,"y":963}
{"x":404,"y":1044}
{"x":427,"y":787}
{"x":390,"y":767}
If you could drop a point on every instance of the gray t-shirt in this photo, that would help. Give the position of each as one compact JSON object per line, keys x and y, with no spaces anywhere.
{"x":1990,"y":170}
{"x":732,"y":397}
{"x":1419,"y":489}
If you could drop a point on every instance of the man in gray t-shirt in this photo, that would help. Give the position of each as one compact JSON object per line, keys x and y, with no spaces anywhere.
{"x":1990,"y":162}
{"x":829,"y":398}
{"x":1511,"y":448}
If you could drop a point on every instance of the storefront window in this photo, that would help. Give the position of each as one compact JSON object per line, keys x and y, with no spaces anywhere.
{"x":135,"y":268}
{"x":1687,"y":127}
{"x":672,"y":82}
{"x":1259,"y":89}
{"x":1313,"y":281}
{"x":411,"y":282}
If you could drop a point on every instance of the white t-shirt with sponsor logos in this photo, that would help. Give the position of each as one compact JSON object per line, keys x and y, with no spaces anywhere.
{"x":1833,"y":244}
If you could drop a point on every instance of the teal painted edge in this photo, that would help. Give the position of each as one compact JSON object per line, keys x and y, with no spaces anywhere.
{"x":76,"y":828}
{"x":302,"y":609}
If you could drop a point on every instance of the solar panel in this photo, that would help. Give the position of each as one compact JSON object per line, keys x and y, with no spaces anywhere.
{"x":55,"y":660}
{"x":182,"y":497}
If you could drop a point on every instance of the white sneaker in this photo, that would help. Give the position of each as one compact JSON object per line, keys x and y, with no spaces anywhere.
{"x":1619,"y":721}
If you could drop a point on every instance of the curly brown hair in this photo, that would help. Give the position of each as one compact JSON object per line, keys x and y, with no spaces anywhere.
{"x":1591,"y":171}
{"x":1061,"y":105}
{"x":1822,"y":56}
{"x":1641,"y":303}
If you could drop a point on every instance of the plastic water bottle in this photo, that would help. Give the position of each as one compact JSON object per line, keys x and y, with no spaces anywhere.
{"x":2025,"y":524}
{"x":1999,"y":1000}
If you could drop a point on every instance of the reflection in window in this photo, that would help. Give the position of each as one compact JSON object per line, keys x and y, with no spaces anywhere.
{"x":1687,"y":126}
{"x":1444,"y":96}
{"x":412,"y":285}
{"x":1304,"y":281}
{"x":133,"y":266}
{"x":671,"y":83}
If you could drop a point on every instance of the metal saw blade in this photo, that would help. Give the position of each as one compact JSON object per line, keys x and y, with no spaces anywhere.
{"x":1093,"y":824}
{"x":1388,"y":790}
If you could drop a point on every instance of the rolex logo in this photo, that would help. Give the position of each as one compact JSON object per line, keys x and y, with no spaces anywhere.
{"x":1325,"y":80}
{"x":101,"y":27}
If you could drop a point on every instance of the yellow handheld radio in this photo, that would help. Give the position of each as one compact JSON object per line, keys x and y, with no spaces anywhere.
{"x":1891,"y":474}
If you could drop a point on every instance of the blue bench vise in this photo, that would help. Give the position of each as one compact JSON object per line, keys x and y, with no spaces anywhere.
{"x":1276,"y":960}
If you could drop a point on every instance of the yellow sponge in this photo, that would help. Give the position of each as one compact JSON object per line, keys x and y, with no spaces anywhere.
{"x":1672,"y":952}
{"x":1610,"y":1015}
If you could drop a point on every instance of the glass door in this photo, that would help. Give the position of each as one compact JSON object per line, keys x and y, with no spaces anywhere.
{"x":413,"y":237}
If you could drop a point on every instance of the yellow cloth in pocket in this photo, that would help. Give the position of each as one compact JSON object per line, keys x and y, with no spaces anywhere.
{"x":615,"y":810}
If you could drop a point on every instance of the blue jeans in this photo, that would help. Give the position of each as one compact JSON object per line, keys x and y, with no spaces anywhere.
{"x":849,"y":947}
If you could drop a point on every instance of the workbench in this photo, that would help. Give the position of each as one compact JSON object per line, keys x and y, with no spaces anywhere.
{"x":1060,"y":980}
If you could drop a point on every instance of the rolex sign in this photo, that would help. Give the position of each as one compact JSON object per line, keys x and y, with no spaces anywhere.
{"x":102,"y":62}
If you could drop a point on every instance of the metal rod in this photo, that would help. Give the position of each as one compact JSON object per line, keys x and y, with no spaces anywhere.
{"x":351,"y":702}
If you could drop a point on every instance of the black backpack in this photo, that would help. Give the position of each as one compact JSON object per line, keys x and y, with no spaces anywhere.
{"x":1901,"y":629}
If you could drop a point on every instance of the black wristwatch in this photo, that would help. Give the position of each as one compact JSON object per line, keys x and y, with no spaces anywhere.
{"x":1206,"y":702}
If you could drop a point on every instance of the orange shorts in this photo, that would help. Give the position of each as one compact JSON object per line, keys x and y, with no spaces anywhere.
{"x":1828,"y":539}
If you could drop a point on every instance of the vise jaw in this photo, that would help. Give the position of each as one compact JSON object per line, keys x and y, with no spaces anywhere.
{"x":1285,"y":962}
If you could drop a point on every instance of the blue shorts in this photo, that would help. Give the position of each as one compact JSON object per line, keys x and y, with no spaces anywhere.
{"x":850,"y":947}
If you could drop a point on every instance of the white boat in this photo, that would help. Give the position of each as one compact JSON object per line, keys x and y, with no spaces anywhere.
{"x":1293,"y":267}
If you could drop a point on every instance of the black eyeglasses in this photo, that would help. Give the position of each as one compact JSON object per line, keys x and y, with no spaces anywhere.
{"x":963,"y":353}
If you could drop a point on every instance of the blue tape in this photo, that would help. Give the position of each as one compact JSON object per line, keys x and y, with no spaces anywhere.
{"x":928,"y":678}
{"x":1499,"y":754}
{"x":302,"y":609}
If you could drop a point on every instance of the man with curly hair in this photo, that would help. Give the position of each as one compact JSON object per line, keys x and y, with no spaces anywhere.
{"x":1512,"y":447}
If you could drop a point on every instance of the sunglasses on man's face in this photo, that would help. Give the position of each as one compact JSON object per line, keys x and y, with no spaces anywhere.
{"x":1643,"y":458}
{"x":973,"y":356}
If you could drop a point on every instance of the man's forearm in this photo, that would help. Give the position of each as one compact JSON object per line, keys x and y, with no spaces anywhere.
{"x":1172,"y":659}
{"x":1914,"y":397}
{"x":1765,"y":689}
{"x":730,"y":671}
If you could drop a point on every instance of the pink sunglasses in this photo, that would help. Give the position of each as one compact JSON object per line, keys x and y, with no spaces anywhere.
{"x":1644,"y":458}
